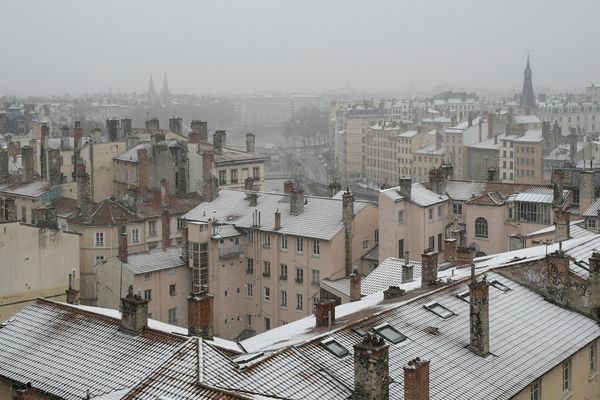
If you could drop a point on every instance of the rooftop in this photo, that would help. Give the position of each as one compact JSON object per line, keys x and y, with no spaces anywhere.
{"x":13,"y":186}
{"x":420,"y":195}
{"x":530,"y":136}
{"x":229,"y":155}
{"x":155,"y":260}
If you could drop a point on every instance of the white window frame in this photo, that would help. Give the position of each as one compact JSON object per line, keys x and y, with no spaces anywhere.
{"x":299,"y":302}
{"x":267,"y":293}
{"x":316,"y":247}
{"x":135,"y":236}
{"x":99,"y":243}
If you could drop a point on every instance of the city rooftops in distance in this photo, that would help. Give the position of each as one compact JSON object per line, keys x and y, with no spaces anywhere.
{"x":231,"y":156}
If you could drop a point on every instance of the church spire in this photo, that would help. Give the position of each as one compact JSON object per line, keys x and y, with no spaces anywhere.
{"x":165,"y":93}
{"x":527,"y":95}
{"x":151,"y":92}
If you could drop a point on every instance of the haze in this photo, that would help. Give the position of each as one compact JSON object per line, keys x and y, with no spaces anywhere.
{"x":235,"y":47}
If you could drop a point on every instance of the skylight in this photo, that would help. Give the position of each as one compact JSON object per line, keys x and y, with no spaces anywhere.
{"x":500,"y":286}
{"x":439,"y":310}
{"x":360,"y":331}
{"x":390,"y":333}
{"x":464,"y":295}
{"x":334,"y":347}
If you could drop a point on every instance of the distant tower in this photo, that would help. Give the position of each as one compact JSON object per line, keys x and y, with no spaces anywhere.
{"x":151,"y":92}
{"x":164,"y":93}
{"x":527,"y":96}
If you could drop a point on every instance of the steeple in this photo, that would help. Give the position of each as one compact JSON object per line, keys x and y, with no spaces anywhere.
{"x":527,"y":95}
{"x":164,"y":93}
{"x":151,"y":92}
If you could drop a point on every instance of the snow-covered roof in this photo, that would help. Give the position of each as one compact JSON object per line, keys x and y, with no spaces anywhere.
{"x":530,"y":136}
{"x":592,"y":210}
{"x":527,"y":119}
{"x":419,"y":195}
{"x":155,"y":260}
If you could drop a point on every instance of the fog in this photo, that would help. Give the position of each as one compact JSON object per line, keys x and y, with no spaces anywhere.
{"x":237,"y":47}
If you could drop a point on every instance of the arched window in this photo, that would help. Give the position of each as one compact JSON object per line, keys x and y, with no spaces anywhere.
{"x":481,"y":228}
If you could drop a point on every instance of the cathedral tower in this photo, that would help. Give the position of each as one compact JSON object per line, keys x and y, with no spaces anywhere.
{"x":527,"y":96}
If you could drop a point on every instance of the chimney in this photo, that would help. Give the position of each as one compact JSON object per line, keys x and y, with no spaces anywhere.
{"x":249,"y":183}
{"x":355,"y":289}
{"x":4,"y":171}
{"x":83,"y":197}
{"x":480,"y":129}
{"x":371,"y":369}
{"x":407,"y":271}
{"x":175,"y":124}
{"x":594,"y":284}
{"x":586,"y":190}
{"x":438,"y":179}
{"x":250,"y":143}
{"x":325,"y":313}
{"x":142,"y":156}
{"x":219,"y":141}
{"x":165,"y":194}
{"x":479,"y":296}
{"x":54,"y":167}
{"x":199,"y":133}
{"x":557,"y":184}
{"x":112,"y":125}
{"x":126,"y":127}
{"x":562,"y":225}
{"x":277,"y":220}
{"x":450,"y":250}
{"x":77,"y":136}
{"x":200,"y":315}
{"x":134,"y":312}
{"x":44,"y":134}
{"x":207,"y":185}
{"x":185,"y":255}
{"x":405,"y":187}
{"x":347,"y":220}
{"x":393,"y":292}
{"x":573,"y":146}
{"x":123,"y":250}
{"x":464,"y":256}
{"x":27,"y":164}
{"x":165,"y":219}
{"x":429,"y":267}
{"x":26,"y":393}
{"x":153,"y":123}
{"x":72,"y":293}
{"x":297,"y":201}
{"x":288,"y":186}
{"x":490,"y":125}
{"x":416,"y":380}
{"x":557,"y":266}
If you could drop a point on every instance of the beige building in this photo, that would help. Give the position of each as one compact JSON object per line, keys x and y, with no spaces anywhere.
{"x":381,"y":156}
{"x":426,"y":159}
{"x":262,"y":255}
{"x":528,"y":157}
{"x":160,"y":276}
{"x":34,"y":262}
{"x":357,"y":121}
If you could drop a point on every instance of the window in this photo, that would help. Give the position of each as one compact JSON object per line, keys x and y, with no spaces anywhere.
{"x":457,"y":208}
{"x":172,"y":290}
{"x":365,"y":245}
{"x":266,"y":269}
{"x":234,"y":176}
{"x":180,"y":224}
{"x":360,"y":332}
{"x":439,"y":310}
{"x":250,"y":266}
{"x":430,"y":211}
{"x":99,"y":239}
{"x":299,"y":245}
{"x":536,"y":390}
{"x":152,"y":246}
{"x":481,"y":228}
{"x":440,"y":241}
{"x":151,"y":228}
{"x":23,"y":215}
{"x":390,"y":333}
{"x":256,"y":172}
{"x":147,"y":276}
{"x":284,"y":242}
{"x":267,"y":323}
{"x":593,"y":358}
{"x":566,"y":376}
{"x":199,"y":259}
{"x":283,"y":299}
{"x":267,"y":293}
{"x":400,"y":248}
{"x":432,"y":242}
{"x":249,"y":289}
{"x":283,"y":272}
{"x":148,"y":294}
{"x":299,"y":302}
{"x":376,"y":238}
{"x":316,"y":277}
{"x":440,"y":211}
{"x":299,"y":275}
{"x":98,"y":259}
{"x":401,"y":216}
{"x":316,"y":247}
{"x":173,"y":316}
{"x":499,"y":286}
{"x":334,"y":347}
{"x":222,"y":178}
{"x":249,"y":319}
{"x":266,"y":239}
{"x":135,"y":236}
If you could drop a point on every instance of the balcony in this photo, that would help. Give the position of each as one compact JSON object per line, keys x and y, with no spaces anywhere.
{"x":299,"y":281}
{"x":229,"y":251}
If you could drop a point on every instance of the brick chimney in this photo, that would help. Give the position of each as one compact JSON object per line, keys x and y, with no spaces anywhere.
{"x":393,"y":292}
{"x":77,"y":136}
{"x":83,"y":196}
{"x":72,"y":293}
{"x":479,"y":296}
{"x":429,"y":267}
{"x":219,"y":140}
{"x":407,"y":271}
{"x":355,"y":288}
{"x":348,"y":221}
{"x":112,"y":126}
{"x":562,"y":222}
{"x":134,"y":312}
{"x":573,"y":145}
{"x":586,"y":190}
{"x":175,"y":124}
{"x":450,"y":250}
{"x":126,"y":127}
{"x":54,"y":167}
{"x":165,"y":193}
{"x":325,"y":313}
{"x":27,"y":393}
{"x":185,"y":255}
{"x":405,"y":187}
{"x":208,"y":157}
{"x":142,"y":156}
{"x":27,"y":164}
{"x":594,"y":284}
{"x":557,"y":184}
{"x":4,"y":171}
{"x":123,"y":249}
{"x":464,"y":256}
{"x":490,"y":120}
{"x":199,"y":133}
{"x":165,"y":219}
{"x":288,"y":186}
{"x":416,"y":380}
{"x":438,"y":180}
{"x":557,"y":277}
{"x":250,"y":143}
{"x":249,"y":183}
{"x":200,"y":315}
{"x":277,"y":220}
{"x":297,"y":201}
{"x":371,"y":369}
{"x":153,"y":123}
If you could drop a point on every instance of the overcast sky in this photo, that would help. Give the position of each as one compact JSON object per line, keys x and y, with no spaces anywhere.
{"x":234,"y":47}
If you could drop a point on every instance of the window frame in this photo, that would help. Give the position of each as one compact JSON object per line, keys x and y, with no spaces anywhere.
{"x":481,"y":228}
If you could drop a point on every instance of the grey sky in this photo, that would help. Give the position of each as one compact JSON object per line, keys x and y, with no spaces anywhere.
{"x":224,"y":47}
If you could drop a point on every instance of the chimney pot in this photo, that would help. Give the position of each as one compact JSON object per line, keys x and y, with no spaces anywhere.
{"x":134,"y":312}
{"x":355,"y":287}
{"x":200,"y":315}
{"x":405,"y":187}
{"x":250,"y":143}
{"x":288,"y":186}
{"x":296,"y":201}
{"x":416,"y":380}
{"x":371,"y":369}
{"x":347,"y":220}
{"x":479,"y":296}
{"x":393,"y":292}
{"x":165,"y":220}
{"x":429,"y":267}
{"x":277,"y":220}
{"x":325,"y":313}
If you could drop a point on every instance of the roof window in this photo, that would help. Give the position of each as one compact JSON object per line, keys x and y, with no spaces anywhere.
{"x":439,"y":310}
{"x":464,"y":296}
{"x":360,"y":332}
{"x":500,"y":286}
{"x":390,"y":333}
{"x":335,"y":348}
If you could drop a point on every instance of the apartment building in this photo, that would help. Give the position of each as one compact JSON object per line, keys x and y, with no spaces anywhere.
{"x":381,"y":155}
{"x":528,"y":157}
{"x":583,"y":117}
{"x":426,"y":159}
{"x":262,"y":255}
